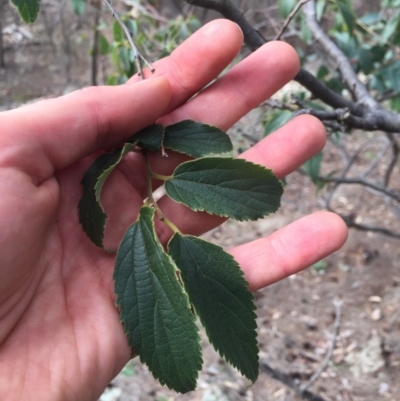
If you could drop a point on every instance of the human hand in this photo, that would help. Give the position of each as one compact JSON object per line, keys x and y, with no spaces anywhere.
{"x":60,"y":335}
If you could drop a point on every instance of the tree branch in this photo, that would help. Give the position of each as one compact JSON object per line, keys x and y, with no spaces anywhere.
{"x":343,"y":63}
{"x":393,"y":161}
{"x":138,"y":57}
{"x":251,"y":37}
{"x":350,"y":222}
{"x":290,"y":17}
{"x":365,"y":183}
{"x":361,"y":116}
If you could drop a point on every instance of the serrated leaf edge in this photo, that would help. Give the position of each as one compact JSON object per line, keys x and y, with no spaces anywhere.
{"x":184,"y":294}
{"x":203,"y":124}
{"x":201,"y":209}
{"x":251,"y":311}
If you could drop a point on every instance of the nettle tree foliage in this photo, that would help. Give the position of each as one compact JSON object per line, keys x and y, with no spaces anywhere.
{"x":159,"y":292}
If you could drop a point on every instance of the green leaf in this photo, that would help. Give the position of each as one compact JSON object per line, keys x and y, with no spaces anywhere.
{"x":28,"y":9}
{"x":371,"y":18}
{"x":365,"y":61}
{"x":91,"y":213}
{"x":305,"y":32}
{"x":348,"y":15}
{"x":219,"y":294}
{"x":132,"y":26}
{"x":277,"y":120}
{"x":154,"y":309}
{"x":104,"y":46}
{"x":312,"y":167}
{"x":347,"y":43}
{"x":227,"y":187}
{"x":78,"y":6}
{"x":322,"y":72}
{"x":390,"y":28}
{"x":125,"y":58}
{"x":150,"y":138}
{"x":387,"y":76}
{"x":196,"y":139}
{"x":286,"y":7}
{"x":118,"y":32}
{"x":320,"y":7}
{"x":395,"y":104}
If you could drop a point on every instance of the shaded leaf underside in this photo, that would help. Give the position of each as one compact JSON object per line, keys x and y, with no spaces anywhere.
{"x":91,"y":214}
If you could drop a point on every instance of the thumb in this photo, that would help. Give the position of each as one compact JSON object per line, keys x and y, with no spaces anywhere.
{"x":53,"y":134}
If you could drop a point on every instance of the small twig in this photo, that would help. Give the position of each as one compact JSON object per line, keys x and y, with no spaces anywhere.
{"x":350,"y":222}
{"x":289,"y":382}
{"x":276,"y":104}
{"x":138,"y":57}
{"x":150,"y":198}
{"x":377,"y":160}
{"x":290,"y":17}
{"x":338,"y":311}
{"x":362,"y":182}
{"x":393,"y":161}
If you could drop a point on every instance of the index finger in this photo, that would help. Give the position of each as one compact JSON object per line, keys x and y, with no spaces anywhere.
{"x":55,"y":133}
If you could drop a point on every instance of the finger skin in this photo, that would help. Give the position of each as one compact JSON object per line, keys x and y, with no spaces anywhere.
{"x":290,"y":146}
{"x":198,"y":60}
{"x":244,"y":87}
{"x":290,"y":249}
{"x":53,"y":134}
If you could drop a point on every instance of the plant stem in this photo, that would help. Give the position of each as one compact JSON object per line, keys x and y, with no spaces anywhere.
{"x":161,"y":177}
{"x":150,"y":197}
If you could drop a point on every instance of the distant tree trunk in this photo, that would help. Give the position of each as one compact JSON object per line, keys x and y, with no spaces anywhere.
{"x":95,"y":49}
{"x":2,"y":6}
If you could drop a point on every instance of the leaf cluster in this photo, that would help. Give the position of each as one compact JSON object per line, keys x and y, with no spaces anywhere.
{"x":154,"y":38}
{"x":370,"y":40}
{"x":161,"y":291}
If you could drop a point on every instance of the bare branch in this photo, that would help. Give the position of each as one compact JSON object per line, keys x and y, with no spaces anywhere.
{"x":252,"y":38}
{"x":288,"y":381}
{"x":290,"y":17}
{"x":338,"y":309}
{"x":276,"y":104}
{"x":365,"y":183}
{"x":361,"y":116}
{"x":393,"y":161}
{"x":343,"y":63}
{"x":351,"y":223}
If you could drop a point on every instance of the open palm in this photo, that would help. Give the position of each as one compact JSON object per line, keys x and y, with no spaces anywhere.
{"x":60,"y":336}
